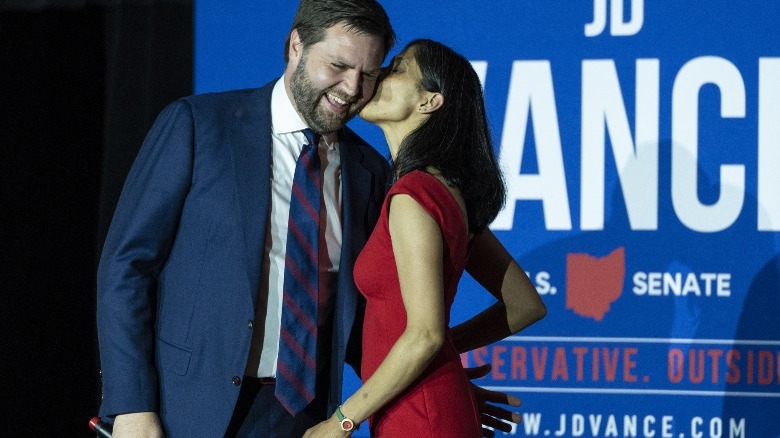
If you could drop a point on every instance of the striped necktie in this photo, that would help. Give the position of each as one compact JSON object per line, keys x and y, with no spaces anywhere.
{"x":297,"y":366}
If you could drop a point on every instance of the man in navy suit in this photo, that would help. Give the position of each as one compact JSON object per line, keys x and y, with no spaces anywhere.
{"x":190,"y":278}
{"x":189,"y":285}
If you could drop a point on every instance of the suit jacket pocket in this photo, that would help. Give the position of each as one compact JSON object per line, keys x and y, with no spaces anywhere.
{"x":172,"y":358}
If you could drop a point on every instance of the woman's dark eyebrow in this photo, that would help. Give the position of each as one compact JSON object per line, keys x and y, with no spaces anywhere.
{"x":397,"y":60}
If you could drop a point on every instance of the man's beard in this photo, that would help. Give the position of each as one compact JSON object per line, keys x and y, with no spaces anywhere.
{"x":307,"y":100}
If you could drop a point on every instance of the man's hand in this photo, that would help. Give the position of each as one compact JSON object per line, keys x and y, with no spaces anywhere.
{"x":493,"y":416}
{"x":138,"y":425}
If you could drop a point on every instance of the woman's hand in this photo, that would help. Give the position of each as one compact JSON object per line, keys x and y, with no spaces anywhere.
{"x":492,"y":416}
{"x":329,"y":428}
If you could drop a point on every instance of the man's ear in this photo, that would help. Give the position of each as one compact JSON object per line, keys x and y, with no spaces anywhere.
{"x":432,"y":102}
{"x":295,"y":49}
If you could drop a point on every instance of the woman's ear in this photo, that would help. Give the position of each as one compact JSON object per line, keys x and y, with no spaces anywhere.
{"x":432,"y":102}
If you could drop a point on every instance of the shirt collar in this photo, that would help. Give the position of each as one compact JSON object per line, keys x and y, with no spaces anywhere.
{"x":285,"y":118}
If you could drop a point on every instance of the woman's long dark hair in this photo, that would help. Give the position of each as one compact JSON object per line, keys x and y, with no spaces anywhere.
{"x":455,"y":139}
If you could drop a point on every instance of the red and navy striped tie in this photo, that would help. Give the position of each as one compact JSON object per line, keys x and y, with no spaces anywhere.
{"x":297,"y":365}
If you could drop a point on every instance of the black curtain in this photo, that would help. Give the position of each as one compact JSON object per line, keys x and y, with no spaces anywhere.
{"x":149,"y":51}
{"x":80,"y":83}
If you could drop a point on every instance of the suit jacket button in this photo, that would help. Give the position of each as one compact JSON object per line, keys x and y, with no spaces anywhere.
{"x":236,"y":380}
{"x":250,"y":323}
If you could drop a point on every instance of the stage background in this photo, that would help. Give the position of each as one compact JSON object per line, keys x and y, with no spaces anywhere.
{"x":81,"y":81}
{"x":640,"y":142}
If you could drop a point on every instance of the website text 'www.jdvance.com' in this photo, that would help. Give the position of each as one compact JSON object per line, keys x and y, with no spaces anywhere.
{"x":628,"y":426}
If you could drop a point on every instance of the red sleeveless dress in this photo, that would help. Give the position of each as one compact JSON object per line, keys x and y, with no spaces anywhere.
{"x":440,"y":403}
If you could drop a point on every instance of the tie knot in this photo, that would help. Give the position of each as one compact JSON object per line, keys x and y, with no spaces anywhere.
{"x":312,"y":137}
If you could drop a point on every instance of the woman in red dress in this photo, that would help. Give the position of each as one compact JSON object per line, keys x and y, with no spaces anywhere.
{"x":433,"y":226}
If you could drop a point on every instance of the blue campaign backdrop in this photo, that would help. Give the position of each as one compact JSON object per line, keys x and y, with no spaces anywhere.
{"x":640,"y":143}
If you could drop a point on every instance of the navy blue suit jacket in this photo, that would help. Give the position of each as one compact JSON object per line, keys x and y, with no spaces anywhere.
{"x":180,"y":270}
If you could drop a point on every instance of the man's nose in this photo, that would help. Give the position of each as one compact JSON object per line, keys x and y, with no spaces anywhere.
{"x":353,"y":80}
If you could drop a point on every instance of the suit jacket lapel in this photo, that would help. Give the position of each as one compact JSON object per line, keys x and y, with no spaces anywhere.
{"x":356,"y":184}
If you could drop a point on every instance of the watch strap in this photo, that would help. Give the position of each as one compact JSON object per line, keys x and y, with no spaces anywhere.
{"x":347,"y":424}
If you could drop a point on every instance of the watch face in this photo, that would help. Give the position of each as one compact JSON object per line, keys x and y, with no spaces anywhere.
{"x":347,"y":424}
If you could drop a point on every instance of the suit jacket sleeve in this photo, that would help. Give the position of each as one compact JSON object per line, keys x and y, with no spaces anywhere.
{"x":136,"y":247}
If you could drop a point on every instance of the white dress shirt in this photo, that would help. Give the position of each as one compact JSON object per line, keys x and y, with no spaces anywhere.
{"x":288,"y":141}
